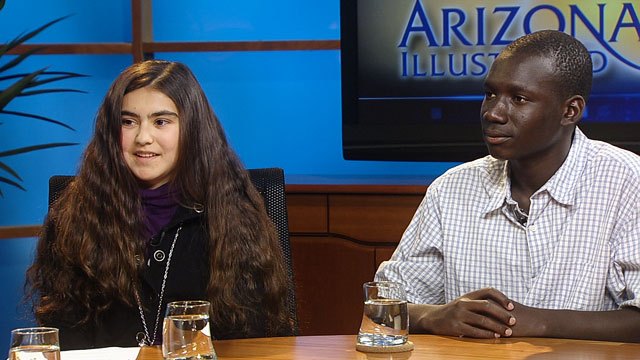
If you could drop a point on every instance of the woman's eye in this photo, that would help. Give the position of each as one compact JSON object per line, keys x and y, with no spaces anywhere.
{"x":161,"y":122}
{"x":128,"y":122}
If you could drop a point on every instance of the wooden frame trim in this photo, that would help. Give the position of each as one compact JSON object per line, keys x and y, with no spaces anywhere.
{"x":10,"y":232}
{"x":74,"y":49}
{"x":355,"y":189}
{"x":136,"y":30}
{"x":142,"y":45}
{"x":138,"y":50}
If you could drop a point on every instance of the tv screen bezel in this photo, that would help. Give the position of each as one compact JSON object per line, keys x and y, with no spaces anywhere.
{"x":456,"y":142}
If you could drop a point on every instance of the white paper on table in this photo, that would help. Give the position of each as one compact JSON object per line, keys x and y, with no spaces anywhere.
{"x":108,"y":353}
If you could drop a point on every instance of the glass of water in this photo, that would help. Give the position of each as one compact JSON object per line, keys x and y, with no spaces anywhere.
{"x":385,"y":320}
{"x":36,"y":343}
{"x":185,"y":333}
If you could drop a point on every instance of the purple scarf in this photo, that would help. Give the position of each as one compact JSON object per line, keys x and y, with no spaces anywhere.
{"x":159,"y":206}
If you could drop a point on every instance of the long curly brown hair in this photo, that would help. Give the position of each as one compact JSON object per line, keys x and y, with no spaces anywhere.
{"x":86,"y":255}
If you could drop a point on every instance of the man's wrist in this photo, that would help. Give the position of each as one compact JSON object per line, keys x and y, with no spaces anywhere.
{"x":420,"y":318}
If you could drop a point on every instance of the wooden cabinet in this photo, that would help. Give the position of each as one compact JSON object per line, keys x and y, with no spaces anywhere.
{"x":339,"y":236}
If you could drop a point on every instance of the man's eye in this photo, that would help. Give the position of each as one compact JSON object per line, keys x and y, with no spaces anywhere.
{"x":489,"y":95}
{"x":128,"y":122}
{"x":161,"y":122}
{"x":520,"y":99}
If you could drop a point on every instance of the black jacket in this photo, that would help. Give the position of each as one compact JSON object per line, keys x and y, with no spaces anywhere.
{"x":187,"y":280}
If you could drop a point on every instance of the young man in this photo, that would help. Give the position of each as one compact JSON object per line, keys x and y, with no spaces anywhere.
{"x":542,"y":237}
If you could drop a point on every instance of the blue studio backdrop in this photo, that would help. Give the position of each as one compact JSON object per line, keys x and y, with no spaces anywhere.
{"x":279,"y":108}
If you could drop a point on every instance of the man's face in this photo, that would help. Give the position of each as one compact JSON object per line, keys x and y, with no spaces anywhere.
{"x":522,"y":109}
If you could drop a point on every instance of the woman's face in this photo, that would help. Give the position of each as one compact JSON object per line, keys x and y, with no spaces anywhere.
{"x":150,"y":136}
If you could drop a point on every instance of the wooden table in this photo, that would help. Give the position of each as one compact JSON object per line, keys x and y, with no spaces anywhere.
{"x":426,"y":347}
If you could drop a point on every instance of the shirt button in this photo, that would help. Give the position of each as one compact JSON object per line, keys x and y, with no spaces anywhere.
{"x":532,"y":228}
{"x":159,"y":255}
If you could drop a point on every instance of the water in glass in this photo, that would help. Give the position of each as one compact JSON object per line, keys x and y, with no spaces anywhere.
{"x":187,"y":337}
{"x":385,"y":319}
{"x":36,"y":343}
{"x":35,"y":352}
{"x":384,"y":323}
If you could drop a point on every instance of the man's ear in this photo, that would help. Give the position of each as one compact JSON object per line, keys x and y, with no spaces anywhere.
{"x":573,"y":110}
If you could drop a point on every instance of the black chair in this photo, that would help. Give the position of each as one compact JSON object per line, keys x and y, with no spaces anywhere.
{"x":270,"y":184}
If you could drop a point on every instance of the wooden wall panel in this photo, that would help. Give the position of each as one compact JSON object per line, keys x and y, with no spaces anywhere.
{"x":329,"y":273}
{"x":307,"y":213}
{"x":371,"y":218}
{"x":339,"y":236}
{"x":383,"y":253}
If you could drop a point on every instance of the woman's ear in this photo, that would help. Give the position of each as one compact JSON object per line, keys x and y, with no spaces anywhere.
{"x":573,"y":110}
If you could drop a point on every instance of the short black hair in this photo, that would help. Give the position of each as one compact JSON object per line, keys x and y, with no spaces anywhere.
{"x":572,"y":60}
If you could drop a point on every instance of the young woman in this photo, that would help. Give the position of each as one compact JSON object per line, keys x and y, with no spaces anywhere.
{"x":161,"y":210}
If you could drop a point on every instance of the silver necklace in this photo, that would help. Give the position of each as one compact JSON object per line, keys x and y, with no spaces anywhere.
{"x":521,"y":215}
{"x":146,"y":339}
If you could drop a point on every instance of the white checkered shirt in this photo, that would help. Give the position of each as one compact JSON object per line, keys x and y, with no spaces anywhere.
{"x":579,"y":250}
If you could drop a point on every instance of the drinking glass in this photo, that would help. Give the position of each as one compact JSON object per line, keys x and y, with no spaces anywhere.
{"x":36,"y":343}
{"x":185,"y":331}
{"x":385,"y":320}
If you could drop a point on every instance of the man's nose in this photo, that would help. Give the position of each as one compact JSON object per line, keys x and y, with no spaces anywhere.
{"x":495,"y":111}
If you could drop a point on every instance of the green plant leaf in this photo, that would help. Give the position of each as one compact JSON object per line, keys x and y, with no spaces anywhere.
{"x":33,"y":148}
{"x":22,"y":38}
{"x":18,"y":88}
{"x":16,"y":61}
{"x":11,"y":182}
{"x":6,"y":168}
{"x":16,"y":113}
{"x":16,"y":76}
{"x":46,"y":91}
{"x":38,"y":82}
{"x":14,"y":90}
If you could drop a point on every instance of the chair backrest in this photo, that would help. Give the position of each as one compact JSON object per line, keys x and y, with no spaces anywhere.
{"x":270,"y":184}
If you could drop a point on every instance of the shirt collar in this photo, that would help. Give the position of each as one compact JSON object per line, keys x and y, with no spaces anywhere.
{"x":495,"y":183}
{"x":562,"y":183}
{"x":560,"y":186}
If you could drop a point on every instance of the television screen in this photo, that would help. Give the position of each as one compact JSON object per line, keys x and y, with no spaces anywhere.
{"x":412,"y":71}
